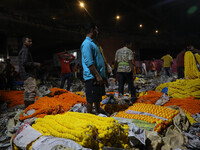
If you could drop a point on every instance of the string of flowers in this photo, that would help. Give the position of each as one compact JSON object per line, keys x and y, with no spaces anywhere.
{"x":182,"y":88}
{"x":156,"y":110}
{"x":53,"y":105}
{"x":191,"y":71}
{"x":88,"y":130}
{"x":150,"y":98}
{"x":56,"y":91}
{"x":14,"y":98}
{"x":189,"y":104}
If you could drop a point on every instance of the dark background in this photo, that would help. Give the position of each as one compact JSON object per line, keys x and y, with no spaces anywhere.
{"x":58,"y":24}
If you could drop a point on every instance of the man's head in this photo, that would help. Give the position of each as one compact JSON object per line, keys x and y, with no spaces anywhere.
{"x":27,"y":41}
{"x":91,"y":30}
{"x":128,"y":44}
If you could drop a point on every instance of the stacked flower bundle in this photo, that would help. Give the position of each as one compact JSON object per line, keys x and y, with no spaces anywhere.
{"x":190,"y":64}
{"x":190,"y":104}
{"x":88,"y":130}
{"x":53,"y":105}
{"x":160,"y":115}
{"x":150,"y":98}
{"x":182,"y":88}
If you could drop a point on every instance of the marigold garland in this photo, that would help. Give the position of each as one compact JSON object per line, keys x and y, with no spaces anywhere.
{"x":53,"y":105}
{"x":14,"y":98}
{"x":88,"y":130}
{"x":56,"y":91}
{"x":190,"y":65}
{"x":156,"y":110}
{"x":182,"y":88}
{"x":189,"y":104}
{"x":150,"y":98}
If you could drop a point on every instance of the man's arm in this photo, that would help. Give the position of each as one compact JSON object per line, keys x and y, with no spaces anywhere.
{"x":89,"y":61}
{"x":61,"y":55}
{"x":96,"y":74}
{"x":69,"y":57}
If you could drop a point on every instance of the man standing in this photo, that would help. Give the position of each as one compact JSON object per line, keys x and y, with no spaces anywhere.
{"x":125,"y":71}
{"x":94,"y":70}
{"x":65,"y":60}
{"x":27,"y":70}
{"x":168,"y":61}
{"x":180,"y":64}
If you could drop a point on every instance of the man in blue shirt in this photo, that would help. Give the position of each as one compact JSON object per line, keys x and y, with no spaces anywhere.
{"x":94,"y":70}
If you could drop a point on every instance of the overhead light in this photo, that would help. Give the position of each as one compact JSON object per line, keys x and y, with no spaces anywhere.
{"x":117,"y":17}
{"x":156,"y":31}
{"x":82,"y":4}
{"x":54,"y":18}
{"x":140,"y":25}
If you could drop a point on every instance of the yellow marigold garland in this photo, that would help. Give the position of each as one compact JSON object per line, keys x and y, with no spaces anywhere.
{"x":190,"y":65}
{"x":86,"y":129}
{"x":182,"y":88}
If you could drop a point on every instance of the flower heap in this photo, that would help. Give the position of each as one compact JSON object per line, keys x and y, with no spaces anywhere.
{"x":182,"y":88}
{"x":160,"y":115}
{"x":190,"y":104}
{"x":88,"y":130}
{"x":57,"y":91}
{"x":53,"y":105}
{"x":190,"y":65}
{"x":150,"y":98}
{"x":14,"y":98}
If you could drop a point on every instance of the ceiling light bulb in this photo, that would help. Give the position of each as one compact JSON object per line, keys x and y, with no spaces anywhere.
{"x":156,"y":31}
{"x":82,"y":4}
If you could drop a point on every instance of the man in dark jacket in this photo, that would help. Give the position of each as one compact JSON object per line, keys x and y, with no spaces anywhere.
{"x":27,"y":70}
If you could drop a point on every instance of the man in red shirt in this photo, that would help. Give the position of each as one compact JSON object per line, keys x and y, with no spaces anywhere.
{"x":180,"y":64}
{"x":65,"y":60}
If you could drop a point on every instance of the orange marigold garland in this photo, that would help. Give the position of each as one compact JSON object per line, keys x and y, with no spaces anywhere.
{"x":150,"y":98}
{"x":57,"y":91}
{"x":14,"y":98}
{"x":53,"y":105}
{"x":189,"y":104}
{"x":156,"y":110}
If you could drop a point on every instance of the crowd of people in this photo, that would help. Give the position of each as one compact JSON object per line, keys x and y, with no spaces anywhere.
{"x":94,"y":69}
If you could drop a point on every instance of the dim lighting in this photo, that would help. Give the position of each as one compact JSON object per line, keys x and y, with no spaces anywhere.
{"x":117,"y":17}
{"x":82,"y":4}
{"x":54,"y":18}
{"x":156,"y":31}
{"x":140,"y":25}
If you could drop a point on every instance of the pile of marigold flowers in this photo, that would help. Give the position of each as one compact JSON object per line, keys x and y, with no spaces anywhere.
{"x":150,"y":98}
{"x":13,"y":98}
{"x":53,"y":105}
{"x":56,"y":91}
{"x":189,"y":104}
{"x":160,"y":115}
{"x":88,"y":130}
